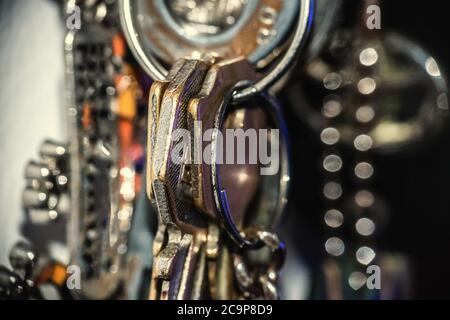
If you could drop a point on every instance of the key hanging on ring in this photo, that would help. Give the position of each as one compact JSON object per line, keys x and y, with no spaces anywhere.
{"x":166,"y":177}
{"x":205,"y":217}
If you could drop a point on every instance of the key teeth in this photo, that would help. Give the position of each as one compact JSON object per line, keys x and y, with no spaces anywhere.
{"x":165,"y":261}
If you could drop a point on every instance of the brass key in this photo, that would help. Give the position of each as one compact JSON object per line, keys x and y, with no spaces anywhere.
{"x":193,"y":256}
{"x":185,"y":230}
{"x":207,"y":210}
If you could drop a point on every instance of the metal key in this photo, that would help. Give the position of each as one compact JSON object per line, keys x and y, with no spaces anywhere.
{"x":206,"y":221}
{"x":185,"y":234}
{"x":185,"y":230}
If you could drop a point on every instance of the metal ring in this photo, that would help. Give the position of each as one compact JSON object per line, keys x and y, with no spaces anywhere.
{"x":220,"y":195}
{"x":158,"y":72}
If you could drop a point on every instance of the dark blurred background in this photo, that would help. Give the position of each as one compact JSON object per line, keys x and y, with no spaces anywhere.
{"x":416,"y":183}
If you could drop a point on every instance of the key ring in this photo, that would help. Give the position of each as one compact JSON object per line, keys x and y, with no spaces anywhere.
{"x":159,"y":72}
{"x":276,"y":199}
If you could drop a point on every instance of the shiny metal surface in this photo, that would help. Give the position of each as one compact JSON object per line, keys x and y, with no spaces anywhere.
{"x":191,"y":216}
{"x":377,"y":104}
{"x":179,"y":246}
{"x":273,"y":189}
{"x":205,"y":17}
{"x":148,"y":58}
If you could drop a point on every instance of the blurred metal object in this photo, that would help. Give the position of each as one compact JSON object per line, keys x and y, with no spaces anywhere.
{"x":23,"y":259}
{"x":327,"y":14}
{"x":105,"y":150}
{"x":367,"y":93}
{"x":18,"y":284}
{"x":94,"y":11}
{"x":33,"y":277}
{"x":91,"y":158}
{"x":264,"y":46}
{"x":12,"y":286}
{"x":404,"y":74}
{"x":46,"y":195}
{"x":393,"y":98}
